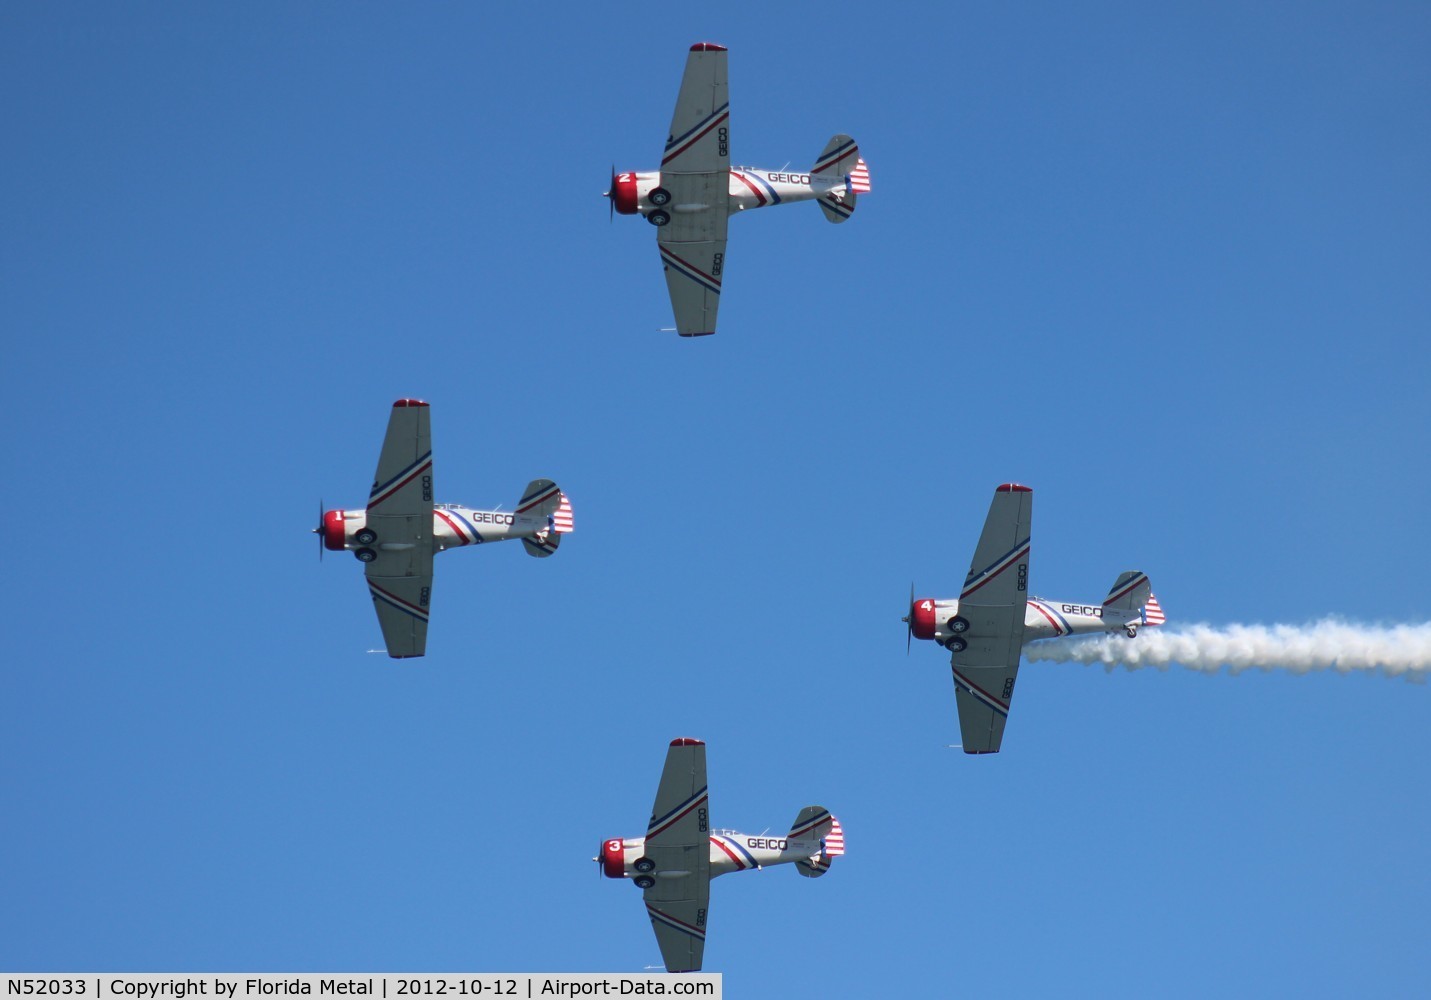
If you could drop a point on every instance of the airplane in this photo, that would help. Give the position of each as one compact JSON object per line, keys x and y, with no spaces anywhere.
{"x":691,"y":197}
{"x":674,"y":863}
{"x":986,"y":628}
{"x":401,"y":529}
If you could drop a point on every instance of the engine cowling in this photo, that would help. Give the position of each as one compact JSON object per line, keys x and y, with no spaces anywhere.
{"x":624,"y":195}
{"x":921,"y":618}
{"x":335,"y":531}
{"x":613,"y":859}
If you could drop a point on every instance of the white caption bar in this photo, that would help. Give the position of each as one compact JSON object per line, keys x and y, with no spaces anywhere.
{"x":383,"y":986}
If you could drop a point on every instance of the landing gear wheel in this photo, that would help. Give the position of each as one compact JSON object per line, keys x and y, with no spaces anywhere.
{"x":658,"y":196}
{"x":1131,"y":631}
{"x":958,"y":624}
{"x":956,"y":645}
{"x":644,"y":865}
{"x":365,"y":555}
{"x":658,"y":218}
{"x":644,"y":881}
{"x":366,"y":537}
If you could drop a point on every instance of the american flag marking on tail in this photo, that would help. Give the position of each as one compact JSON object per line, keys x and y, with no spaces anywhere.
{"x":562,"y":521}
{"x":860,"y":178}
{"x":1153,"y":612}
{"x":834,"y":840}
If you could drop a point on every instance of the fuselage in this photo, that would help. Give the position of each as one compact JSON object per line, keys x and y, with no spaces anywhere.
{"x":1043,"y":619}
{"x":730,"y":851}
{"x":453,"y":526}
{"x":750,"y":187}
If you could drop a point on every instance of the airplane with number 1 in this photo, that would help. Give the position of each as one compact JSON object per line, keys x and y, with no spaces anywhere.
{"x":401,"y":529}
{"x":674,"y":863}
{"x":994,"y":617}
{"x":696,"y":191}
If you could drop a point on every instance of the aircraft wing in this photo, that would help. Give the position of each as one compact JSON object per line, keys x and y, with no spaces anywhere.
{"x":401,"y":603}
{"x":693,"y":273}
{"x":993,"y":602}
{"x":678,"y":841}
{"x":695,"y":170}
{"x":680,"y":923}
{"x":699,"y":140}
{"x":400,"y":514}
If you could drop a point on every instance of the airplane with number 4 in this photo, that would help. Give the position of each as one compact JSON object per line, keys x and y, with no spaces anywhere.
{"x":691,"y":198}
{"x":994,"y":617}
{"x":674,"y":863}
{"x":401,"y":529}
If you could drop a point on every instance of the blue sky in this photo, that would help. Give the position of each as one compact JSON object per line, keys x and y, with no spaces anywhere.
{"x":1166,"y":266}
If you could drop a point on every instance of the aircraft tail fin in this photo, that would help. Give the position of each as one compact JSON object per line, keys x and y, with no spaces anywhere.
{"x":815,"y":824}
{"x":840,"y":170}
{"x":543,"y":498}
{"x":1131,"y":602}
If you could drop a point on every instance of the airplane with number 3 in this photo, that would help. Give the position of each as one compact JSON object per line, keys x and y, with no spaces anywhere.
{"x":986,"y":628}
{"x":401,"y":529}
{"x":691,"y":198}
{"x":674,"y":863}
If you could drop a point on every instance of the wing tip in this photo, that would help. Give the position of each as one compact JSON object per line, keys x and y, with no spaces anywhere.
{"x":703,"y":333}
{"x":687,"y":741}
{"x":409,"y":402}
{"x":1014,"y":488}
{"x":707,"y":47}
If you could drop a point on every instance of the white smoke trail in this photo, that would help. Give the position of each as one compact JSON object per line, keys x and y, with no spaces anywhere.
{"x":1396,"y":650}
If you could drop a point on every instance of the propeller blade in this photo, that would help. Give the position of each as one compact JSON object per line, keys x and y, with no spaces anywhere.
{"x":611,"y":197}
{"x":909,"y":620}
{"x":319,"y":530}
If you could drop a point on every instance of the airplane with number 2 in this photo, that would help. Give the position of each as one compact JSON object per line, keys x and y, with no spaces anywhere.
{"x":696,"y":191}
{"x":401,"y":529}
{"x":994,"y":617}
{"x":674,"y":863}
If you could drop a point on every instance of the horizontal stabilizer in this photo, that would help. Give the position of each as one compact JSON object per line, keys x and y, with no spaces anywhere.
{"x":841,"y":174}
{"x":816,"y":823}
{"x":541,"y":498}
{"x":840,"y":157}
{"x":837,"y":207}
{"x":542,"y":545}
{"x":1129,"y":592}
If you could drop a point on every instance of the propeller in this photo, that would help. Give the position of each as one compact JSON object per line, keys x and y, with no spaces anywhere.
{"x":319,"y":530}
{"x":909,"y":620}
{"x":611,"y":195}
